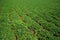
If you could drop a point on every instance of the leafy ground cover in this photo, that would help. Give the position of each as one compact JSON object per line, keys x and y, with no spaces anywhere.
{"x":29,"y":19}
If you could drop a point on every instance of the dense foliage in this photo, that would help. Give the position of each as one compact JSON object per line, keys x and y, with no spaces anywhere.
{"x":29,"y":19}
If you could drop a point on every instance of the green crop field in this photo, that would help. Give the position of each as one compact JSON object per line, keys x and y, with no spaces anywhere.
{"x":29,"y":19}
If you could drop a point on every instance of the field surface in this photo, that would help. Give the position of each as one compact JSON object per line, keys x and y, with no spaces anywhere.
{"x":29,"y":19}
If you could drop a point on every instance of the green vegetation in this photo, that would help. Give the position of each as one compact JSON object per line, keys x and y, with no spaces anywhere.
{"x":29,"y":19}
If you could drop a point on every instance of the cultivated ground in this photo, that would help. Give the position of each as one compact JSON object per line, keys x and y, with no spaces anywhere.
{"x":29,"y":19}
